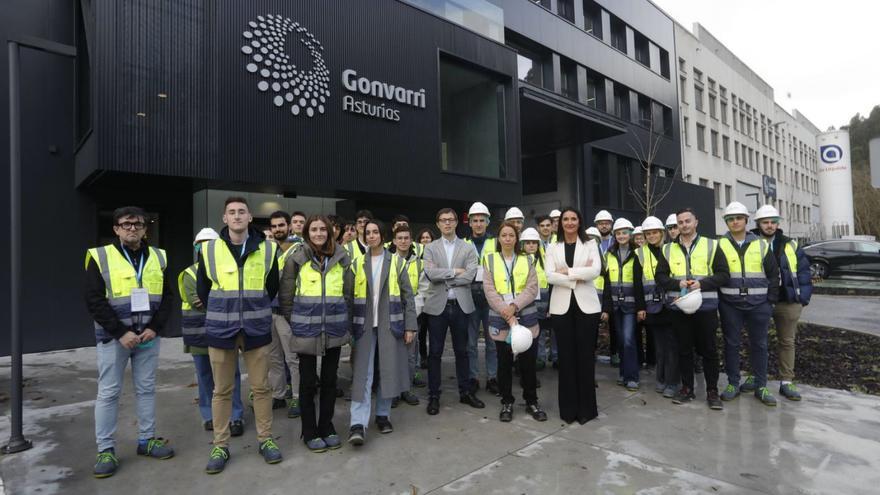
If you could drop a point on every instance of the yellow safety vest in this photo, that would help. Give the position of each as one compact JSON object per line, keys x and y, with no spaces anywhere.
{"x":748,"y":283}
{"x":511,"y":283}
{"x":319,"y":302}
{"x":653,"y":295}
{"x":696,"y":265}
{"x":193,"y":321}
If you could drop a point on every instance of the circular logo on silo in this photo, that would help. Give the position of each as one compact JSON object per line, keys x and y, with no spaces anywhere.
{"x":305,"y":90}
{"x":830,"y":153}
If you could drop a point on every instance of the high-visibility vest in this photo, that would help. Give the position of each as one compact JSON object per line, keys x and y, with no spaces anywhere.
{"x":489,"y":246}
{"x":319,"y":302}
{"x":748,"y":282}
{"x":413,"y":268}
{"x":512,"y":284}
{"x":354,"y":251}
{"x":238,"y":299}
{"x":120,"y":279}
{"x":417,"y":248}
{"x":192,"y":323}
{"x":653,"y":293}
{"x":282,"y":258}
{"x":599,"y":283}
{"x":695,"y":265}
{"x":362,"y":297}
{"x":620,"y":276}
{"x":543,"y":286}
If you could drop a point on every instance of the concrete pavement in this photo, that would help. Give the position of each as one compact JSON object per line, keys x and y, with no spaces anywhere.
{"x":828,"y":443}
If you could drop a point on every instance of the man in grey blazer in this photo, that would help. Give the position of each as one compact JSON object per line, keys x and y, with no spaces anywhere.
{"x":450,"y":267}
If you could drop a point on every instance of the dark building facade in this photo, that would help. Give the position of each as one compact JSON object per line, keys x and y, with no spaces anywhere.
{"x":396,"y":106}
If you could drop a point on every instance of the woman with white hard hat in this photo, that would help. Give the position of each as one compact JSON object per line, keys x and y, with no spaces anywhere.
{"x":638,"y":236}
{"x":572,"y":265}
{"x":623,"y":299}
{"x":531,"y":242}
{"x":511,"y":286}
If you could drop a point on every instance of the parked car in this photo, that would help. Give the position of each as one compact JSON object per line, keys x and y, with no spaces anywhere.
{"x":844,"y":257}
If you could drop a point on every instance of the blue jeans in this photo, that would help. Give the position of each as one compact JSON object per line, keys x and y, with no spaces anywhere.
{"x":756,"y":321}
{"x":625,"y":325}
{"x":112,"y":360}
{"x":475,"y":319}
{"x":360,"y":411}
{"x":206,"y":388}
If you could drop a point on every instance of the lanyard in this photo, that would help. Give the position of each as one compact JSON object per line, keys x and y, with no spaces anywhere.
{"x":139,"y":268}
{"x":510,"y":272}
{"x":244,"y":245}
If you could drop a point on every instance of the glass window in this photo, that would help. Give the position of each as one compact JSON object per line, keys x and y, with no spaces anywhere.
{"x":728,"y":194}
{"x":472,"y":120}
{"x":683,"y":88}
{"x":714,"y":142}
{"x":618,"y":34}
{"x":643,"y":52}
{"x":539,"y":174}
{"x":569,"y":79}
{"x":712,"y":107}
{"x":723,"y":112}
{"x":595,"y":91}
{"x":593,"y":18}
{"x":698,"y":97}
{"x":601,"y":178}
{"x":701,"y":137}
{"x":529,"y":70}
{"x":644,"y":111}
{"x":621,"y":101}
{"x":725,"y":147}
{"x":716,"y":186}
{"x":566,"y":9}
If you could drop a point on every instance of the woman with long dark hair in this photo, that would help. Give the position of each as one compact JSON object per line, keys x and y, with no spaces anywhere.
{"x":316,"y":290}
{"x":572,"y":264}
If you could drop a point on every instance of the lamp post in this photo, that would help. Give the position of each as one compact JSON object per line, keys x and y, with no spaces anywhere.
{"x":17,"y":442}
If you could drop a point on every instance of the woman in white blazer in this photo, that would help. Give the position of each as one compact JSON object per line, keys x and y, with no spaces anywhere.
{"x":572,"y":263}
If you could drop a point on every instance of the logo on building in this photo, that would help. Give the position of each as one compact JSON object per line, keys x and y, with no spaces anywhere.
{"x":305,"y":91}
{"x":830,"y":153}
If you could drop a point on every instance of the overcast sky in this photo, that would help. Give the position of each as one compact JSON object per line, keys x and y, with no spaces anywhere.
{"x":825,"y":54}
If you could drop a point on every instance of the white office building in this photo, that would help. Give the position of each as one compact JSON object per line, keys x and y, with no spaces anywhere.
{"x":738,"y":141}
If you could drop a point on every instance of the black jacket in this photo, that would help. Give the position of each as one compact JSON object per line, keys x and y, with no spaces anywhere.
{"x":720,"y":271}
{"x":204,"y":284}
{"x":100,"y":309}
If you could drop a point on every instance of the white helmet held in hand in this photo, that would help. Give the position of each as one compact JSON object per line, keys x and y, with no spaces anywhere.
{"x":766,"y":211}
{"x":478,"y":209}
{"x":603,"y":215}
{"x":672,"y":220}
{"x":520,"y":339}
{"x":513,"y":214}
{"x":206,"y":234}
{"x":652,"y":223}
{"x":622,"y":223}
{"x":530,"y":234}
{"x":690,"y":302}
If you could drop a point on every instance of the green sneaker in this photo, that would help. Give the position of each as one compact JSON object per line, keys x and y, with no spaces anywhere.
{"x":217,"y":461}
{"x":155,"y":447}
{"x":106,"y":464}
{"x":270,"y":451}
{"x":789,"y":391}
{"x":748,"y":385}
{"x":293,"y":408}
{"x":763,"y":394}
{"x":730,"y":393}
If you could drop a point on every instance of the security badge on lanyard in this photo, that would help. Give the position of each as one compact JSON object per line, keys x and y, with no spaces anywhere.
{"x":508,"y":298}
{"x":140,"y":297}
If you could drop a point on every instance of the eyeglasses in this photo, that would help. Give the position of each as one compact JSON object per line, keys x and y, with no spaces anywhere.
{"x":446,"y":220}
{"x":131,"y":225}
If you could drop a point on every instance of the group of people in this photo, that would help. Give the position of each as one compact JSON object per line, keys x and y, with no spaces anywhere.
{"x":288,"y":299}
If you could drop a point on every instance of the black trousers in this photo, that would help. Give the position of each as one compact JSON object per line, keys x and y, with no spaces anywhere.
{"x":645,"y":345}
{"x":576,"y":340}
{"x":454,"y":319}
{"x":308,"y":380}
{"x":697,"y":330}
{"x":423,"y":337}
{"x":527,"y":372}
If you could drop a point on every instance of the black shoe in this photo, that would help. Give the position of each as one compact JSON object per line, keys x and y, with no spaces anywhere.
{"x":423,"y":364}
{"x":684,"y":395}
{"x":474,"y":385}
{"x":492,"y":387}
{"x":506,"y":415}
{"x":433,"y":406}
{"x":279,"y":403}
{"x":236,"y":428}
{"x":410,"y":398}
{"x":471,"y":400}
{"x":395,"y":402}
{"x":209,"y":425}
{"x":713,"y":400}
{"x":384,"y":425}
{"x":537,"y":413}
{"x":356,"y":435}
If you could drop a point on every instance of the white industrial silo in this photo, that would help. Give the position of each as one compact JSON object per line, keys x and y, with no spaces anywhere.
{"x":835,"y":184}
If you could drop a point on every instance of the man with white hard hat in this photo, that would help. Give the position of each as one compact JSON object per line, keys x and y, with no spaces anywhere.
{"x":746,"y":300}
{"x":795,"y":289}
{"x":603,"y":221}
{"x":554,"y":220}
{"x":672,"y":227}
{"x":692,"y":262}
{"x":515,"y":215}
{"x":193,"y":329}
{"x":478,"y":219}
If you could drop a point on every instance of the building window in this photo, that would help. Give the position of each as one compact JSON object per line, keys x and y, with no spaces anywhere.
{"x":683,"y":88}
{"x":618,"y":34}
{"x":566,"y":9}
{"x":644,"y":111}
{"x":621,"y":101}
{"x":593,"y":18}
{"x":472,"y":111}
{"x":701,"y":137}
{"x":712,"y":112}
{"x":667,"y":121}
{"x":682,"y":65}
{"x":725,"y":147}
{"x":569,"y":79}
{"x":685,"y":131}
{"x":728,"y":194}
{"x":698,"y":96}
{"x":539,"y":174}
{"x":736,"y":152}
{"x":595,"y":91}
{"x":714,"y":142}
{"x":716,"y":187}
{"x":704,"y":182}
{"x":664,"y":63}
{"x":723,"y":112}
{"x":643,"y":52}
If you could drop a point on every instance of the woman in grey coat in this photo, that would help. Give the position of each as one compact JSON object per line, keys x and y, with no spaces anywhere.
{"x":383,"y":323}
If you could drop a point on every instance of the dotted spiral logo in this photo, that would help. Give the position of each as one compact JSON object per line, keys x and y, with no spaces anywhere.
{"x":306,"y":91}
{"x":830,"y":153}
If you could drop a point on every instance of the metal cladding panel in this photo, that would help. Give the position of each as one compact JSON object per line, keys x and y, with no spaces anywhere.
{"x":218,"y":123}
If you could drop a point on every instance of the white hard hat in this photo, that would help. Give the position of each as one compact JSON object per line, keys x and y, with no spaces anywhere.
{"x":638,"y":230}
{"x":530,"y":234}
{"x":672,"y":219}
{"x":520,"y":339}
{"x":206,"y":234}
{"x":555,"y":214}
{"x":514,"y":213}
{"x":603,"y":215}
{"x":736,"y":208}
{"x":478,"y":209}
{"x":652,"y":223}
{"x":593,"y":231}
{"x":622,"y":223}
{"x":690,"y":302}
{"x":766,"y":211}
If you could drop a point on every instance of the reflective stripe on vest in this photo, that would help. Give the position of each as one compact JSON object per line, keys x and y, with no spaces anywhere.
{"x":623,"y":293}
{"x":192,"y":323}
{"x":120,"y":278}
{"x":319,"y":303}
{"x":790,"y":252}
{"x":413,"y":267}
{"x":748,"y":283}
{"x":543,"y":285}
{"x":695,"y":265}
{"x":361,"y":296}
{"x":653,"y":294}
{"x":496,"y":268}
{"x":488,"y":247}
{"x":238,"y":299}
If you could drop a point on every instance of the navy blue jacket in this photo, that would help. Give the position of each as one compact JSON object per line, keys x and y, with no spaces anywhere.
{"x":790,"y":283}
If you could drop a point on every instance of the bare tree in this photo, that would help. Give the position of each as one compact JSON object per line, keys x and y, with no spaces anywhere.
{"x":646,"y":188}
